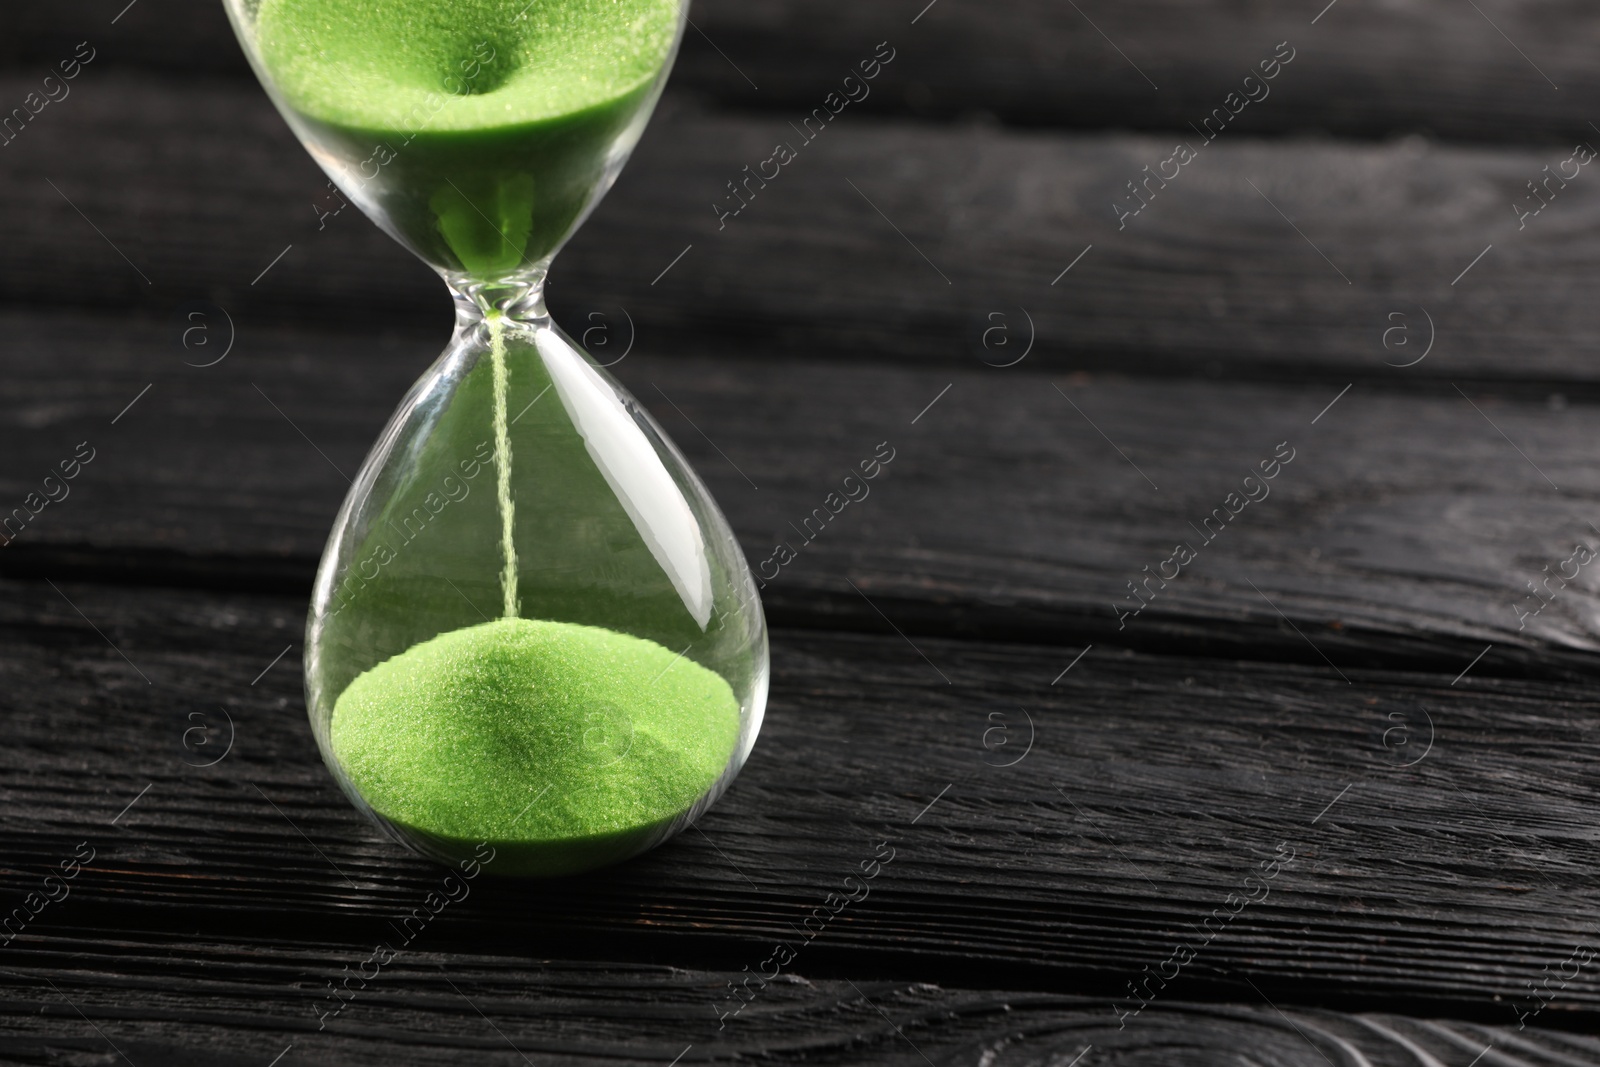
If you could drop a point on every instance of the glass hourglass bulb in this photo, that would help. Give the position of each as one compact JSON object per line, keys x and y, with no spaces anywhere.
{"x":533,"y":636}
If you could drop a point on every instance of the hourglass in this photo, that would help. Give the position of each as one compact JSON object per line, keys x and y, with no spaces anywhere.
{"x":534,"y":642}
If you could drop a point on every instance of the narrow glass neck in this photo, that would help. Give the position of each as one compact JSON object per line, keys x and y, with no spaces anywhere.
{"x":519,"y":299}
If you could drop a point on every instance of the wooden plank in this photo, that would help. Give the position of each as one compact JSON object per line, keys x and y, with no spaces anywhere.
{"x":1362,"y":70}
{"x":1152,"y":788}
{"x":248,"y":1001}
{"x":1404,"y":531}
{"x":880,"y":240}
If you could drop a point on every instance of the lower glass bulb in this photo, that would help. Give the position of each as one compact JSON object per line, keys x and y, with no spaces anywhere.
{"x":532,"y":629}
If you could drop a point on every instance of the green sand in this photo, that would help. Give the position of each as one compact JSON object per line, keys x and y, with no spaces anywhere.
{"x":482,"y":128}
{"x":563,"y":746}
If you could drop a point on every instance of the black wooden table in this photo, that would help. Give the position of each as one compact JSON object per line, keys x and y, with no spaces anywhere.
{"x":1313,"y":790}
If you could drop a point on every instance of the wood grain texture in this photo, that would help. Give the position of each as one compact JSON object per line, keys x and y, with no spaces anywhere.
{"x":1062,"y":826}
{"x":881,"y":240}
{"x":1368,"y":70}
{"x":245,"y":1002}
{"x":1153,"y":787}
{"x":1404,"y":531}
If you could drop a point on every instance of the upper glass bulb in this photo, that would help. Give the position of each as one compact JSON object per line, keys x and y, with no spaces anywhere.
{"x":477,"y":133}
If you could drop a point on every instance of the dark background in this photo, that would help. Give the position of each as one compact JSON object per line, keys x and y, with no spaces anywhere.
{"x":1351,"y":673}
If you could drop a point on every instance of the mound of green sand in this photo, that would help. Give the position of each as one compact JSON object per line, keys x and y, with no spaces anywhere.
{"x":528,"y":733}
